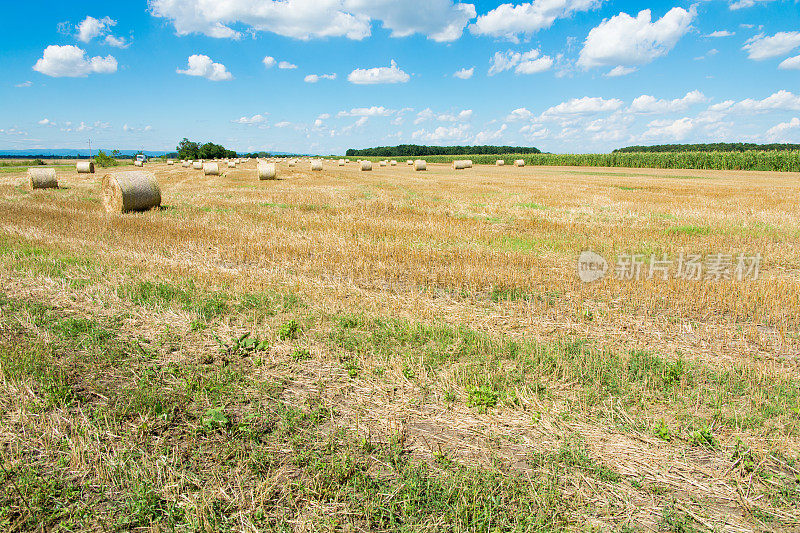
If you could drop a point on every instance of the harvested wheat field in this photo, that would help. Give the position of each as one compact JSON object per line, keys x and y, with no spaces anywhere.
{"x":402,"y":350}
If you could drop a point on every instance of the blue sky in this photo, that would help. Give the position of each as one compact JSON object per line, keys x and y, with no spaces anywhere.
{"x":322,"y":76}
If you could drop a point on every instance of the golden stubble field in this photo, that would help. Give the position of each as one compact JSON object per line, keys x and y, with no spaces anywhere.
{"x":491,"y":250}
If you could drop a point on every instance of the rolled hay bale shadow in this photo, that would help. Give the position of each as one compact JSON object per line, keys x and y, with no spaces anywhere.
{"x":85,"y":167}
{"x":266,"y":171}
{"x":42,"y":178}
{"x":124,"y":192}
{"x":211,"y":169}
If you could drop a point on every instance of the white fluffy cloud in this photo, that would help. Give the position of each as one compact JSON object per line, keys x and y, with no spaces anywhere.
{"x":464,"y":73}
{"x":203,"y":66}
{"x":780,"y":101}
{"x":371,"y":76}
{"x":70,"y":61}
{"x":117,"y":42}
{"x":374,"y":111}
{"x":458,"y":132}
{"x":582,"y":107}
{"x":268,"y":61}
{"x":721,"y":33}
{"x":620,"y":70}
{"x":429,"y":114}
{"x":779,"y":130}
{"x":510,"y":21}
{"x":254,"y":120}
{"x":530,"y":62}
{"x":24,"y":84}
{"x":740,"y":4}
{"x":625,"y":40}
{"x":314,"y":78}
{"x":92,"y":27}
{"x":792,"y":63}
{"x":649,"y":104}
{"x":670,"y":129}
{"x":764,"y":47}
{"x":285,"y":65}
{"x":440,"y":20}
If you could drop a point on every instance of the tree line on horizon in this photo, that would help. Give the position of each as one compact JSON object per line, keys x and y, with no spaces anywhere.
{"x":710,"y":147}
{"x":187,"y":149}
{"x":415,"y":150}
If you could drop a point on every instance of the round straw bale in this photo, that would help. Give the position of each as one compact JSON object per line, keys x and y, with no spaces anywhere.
{"x":42,"y":178}
{"x":170,"y":162}
{"x":467,"y":163}
{"x":500,"y":163}
{"x":138,"y":163}
{"x":409,"y":162}
{"x":393,"y":163}
{"x":519,"y":163}
{"x":459,"y":165}
{"x":383,"y":163}
{"x":211,"y":169}
{"x":197,"y":165}
{"x":266,"y":171}
{"x":316,"y":165}
{"x":186,"y":164}
{"x":366,"y":165}
{"x":85,"y":167}
{"x":231,"y":164}
{"x":420,"y":164}
{"x":130,"y":191}
{"x":291,"y":162}
{"x":341,"y":162}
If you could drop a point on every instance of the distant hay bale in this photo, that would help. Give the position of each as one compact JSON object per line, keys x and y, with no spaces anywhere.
{"x":266,"y":171}
{"x":382,"y":163}
{"x":409,"y":162}
{"x":393,"y":163}
{"x":366,"y":165}
{"x":85,"y":167}
{"x":197,"y":165}
{"x":231,"y":164}
{"x":341,"y":162}
{"x":42,"y":178}
{"x":186,"y":164}
{"x":136,"y":190}
{"x":499,"y":163}
{"x":170,"y":162}
{"x":291,"y":162}
{"x":138,"y":163}
{"x":316,"y":165}
{"x":420,"y":164}
{"x":519,"y":163}
{"x":459,"y":165}
{"x":211,"y":169}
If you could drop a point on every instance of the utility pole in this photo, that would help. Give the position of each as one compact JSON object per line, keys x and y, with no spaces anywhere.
{"x":90,"y":147}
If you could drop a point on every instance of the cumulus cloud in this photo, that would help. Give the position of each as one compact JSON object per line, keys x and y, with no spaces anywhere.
{"x":374,"y":111}
{"x":371,"y":76}
{"x":464,"y":73}
{"x":780,"y":101}
{"x":764,"y":47}
{"x":459,"y":132}
{"x":740,"y":4}
{"x":779,"y":130}
{"x":582,"y":106}
{"x":203,"y":66}
{"x":71,"y":61}
{"x":92,"y":27}
{"x":511,"y":21}
{"x":46,"y":122}
{"x":623,"y":40}
{"x":255,"y":119}
{"x":530,"y":62}
{"x":721,"y":33}
{"x":443,"y":20}
{"x":269,"y":61}
{"x":117,"y":42}
{"x":285,"y":65}
{"x":24,"y":84}
{"x":619,"y":70}
{"x":428,"y":114}
{"x":520,"y":114}
{"x":649,"y":104}
{"x":670,"y":129}
{"x":314,"y":78}
{"x":792,"y":63}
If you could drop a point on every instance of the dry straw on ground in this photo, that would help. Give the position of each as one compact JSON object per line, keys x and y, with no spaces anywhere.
{"x":124,"y":192}
{"x":42,"y":178}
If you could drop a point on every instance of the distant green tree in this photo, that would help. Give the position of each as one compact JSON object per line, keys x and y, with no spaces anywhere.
{"x":103,"y":160}
{"x":414,"y":150}
{"x":188,"y":149}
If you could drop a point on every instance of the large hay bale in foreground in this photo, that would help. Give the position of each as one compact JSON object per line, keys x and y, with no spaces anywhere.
{"x":366,"y":165}
{"x":136,"y":190}
{"x":420,"y":164}
{"x":211,"y":169}
{"x":316,"y":165}
{"x":85,"y":167}
{"x":197,"y":165}
{"x":519,"y":163}
{"x":266,"y":171}
{"x":42,"y":178}
{"x":499,"y":163}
